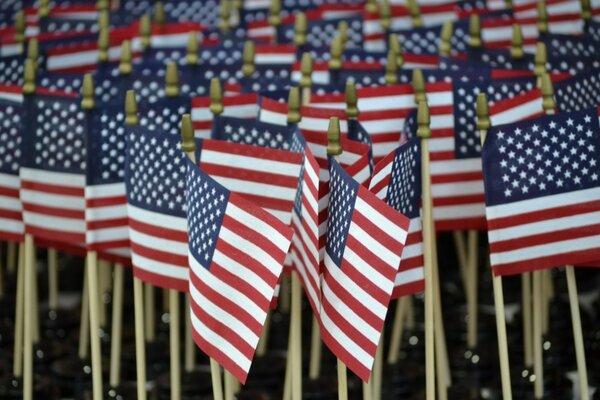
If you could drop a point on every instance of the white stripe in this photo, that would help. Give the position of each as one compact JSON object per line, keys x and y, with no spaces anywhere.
{"x":409,"y":276}
{"x":473,"y":210}
{"x":445,"y":167}
{"x":14,"y":97}
{"x":434,"y":99}
{"x":274,"y":58}
{"x":159,"y":268}
{"x":412,"y":251}
{"x":545,"y":250}
{"x":388,"y":125}
{"x":52,"y":178}
{"x":161,"y":220}
{"x":543,"y":203}
{"x":250,"y":163}
{"x":106,"y":212}
{"x":514,"y":114}
{"x":61,"y":224}
{"x":444,"y":121}
{"x":170,"y":40}
{"x":441,"y":144}
{"x":346,"y":343}
{"x":383,"y":173}
{"x":71,"y":60}
{"x":384,"y":148}
{"x":260,"y":32}
{"x":241,"y":111}
{"x":10,"y":203}
{"x":263,"y":228}
{"x":380,"y":221}
{"x":156,"y":243}
{"x":244,"y":273}
{"x":272,"y":117}
{"x":11,"y":226}
{"x":357,"y":292}
{"x":317,"y":124}
{"x":386,"y":255}
{"x":363,"y":175}
{"x":439,"y":190}
{"x":380,"y":103}
{"x":219,"y":342}
{"x":229,"y":292}
{"x":106,"y":190}
{"x":545,"y":226}
{"x":52,"y":200}
{"x":107,"y":234}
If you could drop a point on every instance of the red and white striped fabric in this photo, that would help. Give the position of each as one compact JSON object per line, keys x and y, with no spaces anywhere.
{"x":410,"y":278}
{"x":173,"y":34}
{"x":523,"y":106}
{"x":242,"y":105}
{"x":275,"y":54}
{"x":11,"y":113}
{"x":374,"y":36}
{"x":267,"y":177}
{"x":365,"y":238}
{"x":58,"y":11}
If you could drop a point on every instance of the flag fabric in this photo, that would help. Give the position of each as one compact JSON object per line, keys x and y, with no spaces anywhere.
{"x":365,"y":239}
{"x":107,"y":227}
{"x":243,"y":105}
{"x":542,"y":192}
{"x":11,"y":69}
{"x":236,"y":253}
{"x":397,"y":181}
{"x":11,"y":114}
{"x":164,"y":115}
{"x":568,"y":45}
{"x":155,"y":171}
{"x":579,"y":92}
{"x":52,"y":174}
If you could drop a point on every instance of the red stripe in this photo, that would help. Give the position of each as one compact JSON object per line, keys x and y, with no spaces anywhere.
{"x":408,"y":289}
{"x":543,"y":215}
{"x":53,"y":188}
{"x":53,"y":211}
{"x":8,"y":214}
{"x":96,"y":202}
{"x":263,"y":153}
{"x":572,"y":257}
{"x":457,"y":177}
{"x":107,"y":223}
{"x":158,"y":255}
{"x":55,"y":235}
{"x":11,"y":237}
{"x":545,"y":238}
{"x":216,"y":354}
{"x":110,"y":245}
{"x":252,"y":175}
{"x":162,"y":281}
{"x":516,"y":101}
{"x":157,"y":231}
{"x":459,"y":200}
{"x":441,"y":155}
{"x":385,"y":137}
{"x":410,"y":263}
{"x":391,"y":215}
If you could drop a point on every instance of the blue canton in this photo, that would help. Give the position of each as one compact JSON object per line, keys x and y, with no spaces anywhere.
{"x":404,"y":190}
{"x":106,"y":146}
{"x":10,"y":136}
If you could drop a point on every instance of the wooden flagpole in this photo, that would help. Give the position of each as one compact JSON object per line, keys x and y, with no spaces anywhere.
{"x":84,"y":319}
{"x":52,"y":280}
{"x":172,"y":90}
{"x":190,"y":347}
{"x":131,"y":119}
{"x":19,"y":315}
{"x":116,"y":327}
{"x":483,"y":124}
{"x":334,"y":149}
{"x":188,"y":145}
{"x":225,"y":15}
{"x":549,"y":107}
{"x":87,"y":105}
{"x":300,"y":29}
{"x":415,"y":13}
{"x":424,"y":133}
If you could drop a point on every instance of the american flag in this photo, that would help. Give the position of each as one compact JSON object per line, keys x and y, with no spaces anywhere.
{"x":11,"y":113}
{"x":321,"y":32}
{"x":365,"y":238}
{"x":543,"y":192}
{"x":204,"y":12}
{"x":243,"y":105}
{"x":236,"y":253}
{"x":155,"y":171}
{"x":579,"y":92}
{"x":53,"y":170}
{"x":397,"y":181}
{"x":105,"y":201}
{"x":165,"y":114}
{"x":569,"y":45}
{"x":11,"y":69}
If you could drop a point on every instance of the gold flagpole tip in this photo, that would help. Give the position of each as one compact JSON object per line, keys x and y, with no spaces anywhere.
{"x":516,"y":50}
{"x":29,"y":77}
{"x":33,"y":49}
{"x":103,"y":19}
{"x":342,"y":30}
{"x":294,"y":116}
{"x":474,"y":32}
{"x":275,"y":13}
{"x":548,"y":103}
{"x":352,"y":110}
{"x":396,"y":47}
{"x":192,"y":49}
{"x":125,"y":67}
{"x":248,"y":67}
{"x":415,"y":13}
{"x":385,"y":15}
{"x":44,"y":8}
{"x":145,"y":30}
{"x":483,"y":113}
{"x":102,"y":5}
{"x":216,"y":96}
{"x":423,"y":120}
{"x":225,"y":14}
{"x":542,"y":12}
{"x":446,"y":38}
{"x":131,"y":117}
{"x":541,"y":58}
{"x":306,"y":68}
{"x":586,"y":10}
{"x":371,"y":6}
{"x":87,"y":92}
{"x":159,"y":13}
{"x":391,"y":68}
{"x":20,"y":27}
{"x":188,"y":144}
{"x":103,"y":45}
{"x":172,"y":80}
{"x":335,"y":60}
{"x":418,"y":83}
{"x":300,"y":29}
{"x":334,"y":137}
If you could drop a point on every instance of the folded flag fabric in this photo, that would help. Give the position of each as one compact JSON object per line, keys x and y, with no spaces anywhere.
{"x":543,"y":192}
{"x":236,"y":254}
{"x":397,"y":181}
{"x":365,"y":239}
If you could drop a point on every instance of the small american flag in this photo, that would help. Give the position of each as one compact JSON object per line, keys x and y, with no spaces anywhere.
{"x":243,"y":105}
{"x":397,"y":181}
{"x":579,"y":92}
{"x":155,"y":171}
{"x":11,"y":114}
{"x":365,"y":238}
{"x":236,"y":254}
{"x":543,"y":192}
{"x":53,"y":170}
